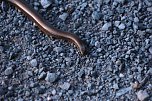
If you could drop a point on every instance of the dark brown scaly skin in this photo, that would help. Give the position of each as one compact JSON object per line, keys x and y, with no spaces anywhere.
{"x":45,"y":26}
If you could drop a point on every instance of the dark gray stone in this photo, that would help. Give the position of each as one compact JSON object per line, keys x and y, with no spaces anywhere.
{"x":3,"y":90}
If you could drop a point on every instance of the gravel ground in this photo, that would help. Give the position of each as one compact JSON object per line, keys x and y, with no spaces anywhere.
{"x":118,"y":66}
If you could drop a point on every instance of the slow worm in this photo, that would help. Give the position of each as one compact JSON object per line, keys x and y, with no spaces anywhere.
{"x":45,"y":26}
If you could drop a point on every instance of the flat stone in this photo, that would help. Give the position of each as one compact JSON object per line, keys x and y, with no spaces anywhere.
{"x":58,"y":49}
{"x":117,"y":23}
{"x":150,"y":71}
{"x":149,"y":26}
{"x":20,"y":99}
{"x":121,"y":75}
{"x":63,"y":16}
{"x":1,"y":49}
{"x":51,"y":77}
{"x":142,"y":95}
{"x":121,"y":1}
{"x":9,"y":71}
{"x":121,"y":26}
{"x":33,"y":62}
{"x":106,"y":26}
{"x":28,"y":58}
{"x":53,"y":91}
{"x":96,"y":15}
{"x":150,"y":50}
{"x":115,"y":86}
{"x":45,"y":3}
{"x":136,"y":19}
{"x":65,"y":86}
{"x":122,"y":91}
{"x":149,"y":9}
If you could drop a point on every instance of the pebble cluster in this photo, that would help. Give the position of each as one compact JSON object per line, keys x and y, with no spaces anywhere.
{"x":118,"y":65}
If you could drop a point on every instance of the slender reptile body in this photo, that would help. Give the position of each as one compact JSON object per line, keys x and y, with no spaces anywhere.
{"x":45,"y":26}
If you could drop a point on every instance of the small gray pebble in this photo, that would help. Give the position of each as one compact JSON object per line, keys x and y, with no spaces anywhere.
{"x":45,"y":48}
{"x":81,"y":73}
{"x":65,"y":86}
{"x":53,"y":92}
{"x":83,"y":5}
{"x":135,"y":27}
{"x":58,"y":49}
{"x":96,"y":15}
{"x":99,"y":50}
{"x":106,"y":26}
{"x":149,"y":31}
{"x":115,"y":4}
{"x":149,"y":9}
{"x":117,"y":23}
{"x":37,"y":3}
{"x":28,"y":57}
{"x":121,"y":75}
{"x":68,"y":61}
{"x":63,"y":16}
{"x":29,"y":73}
{"x":118,"y":62}
{"x":33,"y":62}
{"x":142,"y":95}
{"x":140,"y":33}
{"x":70,"y":91}
{"x":106,"y":1}
{"x":121,"y":26}
{"x":120,"y":10}
{"x":115,"y":86}
{"x":42,"y":75}
{"x":32,"y":84}
{"x":20,"y":99}
{"x":150,"y":71}
{"x":121,"y":1}
{"x":150,"y":50}
{"x":129,"y":23}
{"x":45,"y":3}
{"x":136,"y":19}
{"x":9,"y":71}
{"x":149,"y":26}
{"x":51,"y":77}
{"x":1,"y":49}
{"x":27,"y":93}
{"x":97,"y":43}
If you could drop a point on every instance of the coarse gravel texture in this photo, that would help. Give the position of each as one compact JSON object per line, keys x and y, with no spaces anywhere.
{"x":36,"y":67}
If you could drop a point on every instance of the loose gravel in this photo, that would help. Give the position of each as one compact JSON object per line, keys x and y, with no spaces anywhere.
{"x":117,"y":67}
